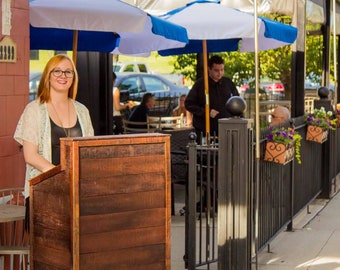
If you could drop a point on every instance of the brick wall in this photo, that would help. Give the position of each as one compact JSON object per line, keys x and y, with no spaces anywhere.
{"x":14,"y":95}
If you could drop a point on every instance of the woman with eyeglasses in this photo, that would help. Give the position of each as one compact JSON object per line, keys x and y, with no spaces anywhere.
{"x":53,"y":115}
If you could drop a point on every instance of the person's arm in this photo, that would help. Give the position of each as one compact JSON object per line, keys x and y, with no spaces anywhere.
{"x":195,"y":103}
{"x":32,"y":157}
{"x":116,"y":101}
{"x":189,"y":119}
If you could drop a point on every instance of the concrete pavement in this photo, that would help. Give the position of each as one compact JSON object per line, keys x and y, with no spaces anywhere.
{"x":314,"y":243}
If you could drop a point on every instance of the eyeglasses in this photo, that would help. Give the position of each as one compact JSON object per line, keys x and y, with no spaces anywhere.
{"x":275,"y":116}
{"x":59,"y":72}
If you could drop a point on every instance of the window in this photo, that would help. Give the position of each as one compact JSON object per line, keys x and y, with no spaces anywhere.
{"x":142,"y":68}
{"x":34,"y":55}
{"x":132,"y":85}
{"x":154,"y":85}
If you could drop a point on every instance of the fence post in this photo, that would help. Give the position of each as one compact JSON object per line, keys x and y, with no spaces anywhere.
{"x":235,"y":190}
{"x":328,"y":147}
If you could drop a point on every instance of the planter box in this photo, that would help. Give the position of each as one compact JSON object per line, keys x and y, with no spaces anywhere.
{"x":279,"y":152}
{"x":316,"y":134}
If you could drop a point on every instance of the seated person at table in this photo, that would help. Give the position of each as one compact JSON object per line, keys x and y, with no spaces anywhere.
{"x":180,"y":109}
{"x":279,"y":116}
{"x":140,"y":112}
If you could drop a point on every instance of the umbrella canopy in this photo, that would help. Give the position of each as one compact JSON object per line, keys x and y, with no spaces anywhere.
{"x":158,"y":34}
{"x":98,"y":25}
{"x":226,"y":29}
{"x":212,"y":27}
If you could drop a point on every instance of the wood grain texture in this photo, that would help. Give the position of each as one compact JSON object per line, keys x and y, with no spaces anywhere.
{"x":107,"y":207}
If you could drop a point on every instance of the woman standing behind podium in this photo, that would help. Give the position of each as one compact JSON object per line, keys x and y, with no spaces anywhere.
{"x":53,"y":115}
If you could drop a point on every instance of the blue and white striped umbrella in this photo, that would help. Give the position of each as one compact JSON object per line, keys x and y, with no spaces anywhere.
{"x":101,"y":25}
{"x":226,"y":29}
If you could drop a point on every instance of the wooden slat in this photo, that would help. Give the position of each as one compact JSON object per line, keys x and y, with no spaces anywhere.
{"x":97,"y":168}
{"x":120,"y":221}
{"x":126,"y":183}
{"x":55,"y":258}
{"x":122,"y":202}
{"x":117,"y":240}
{"x":144,"y":258}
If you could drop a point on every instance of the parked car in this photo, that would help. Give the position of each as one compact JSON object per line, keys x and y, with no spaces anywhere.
{"x":274,"y":89}
{"x":132,"y":86}
{"x":34,"y":83}
{"x":141,"y":67}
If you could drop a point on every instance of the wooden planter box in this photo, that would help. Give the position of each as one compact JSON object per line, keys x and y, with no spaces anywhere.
{"x":106,"y":207}
{"x":316,"y":134}
{"x":279,"y":152}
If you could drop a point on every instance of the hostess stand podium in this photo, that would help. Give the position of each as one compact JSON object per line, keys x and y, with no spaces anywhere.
{"x":107,"y":206}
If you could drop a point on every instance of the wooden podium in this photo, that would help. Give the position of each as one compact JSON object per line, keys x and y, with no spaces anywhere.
{"x":107,"y":206}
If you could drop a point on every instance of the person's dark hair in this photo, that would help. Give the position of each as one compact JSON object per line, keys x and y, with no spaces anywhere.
{"x":215,"y":59}
{"x":146,"y":98}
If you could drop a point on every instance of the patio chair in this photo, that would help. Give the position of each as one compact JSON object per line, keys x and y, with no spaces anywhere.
{"x":165,"y":122}
{"x":14,"y":240}
{"x":131,"y":127}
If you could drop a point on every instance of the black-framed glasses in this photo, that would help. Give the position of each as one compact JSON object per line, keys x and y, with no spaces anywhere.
{"x":59,"y":72}
{"x":275,"y":116}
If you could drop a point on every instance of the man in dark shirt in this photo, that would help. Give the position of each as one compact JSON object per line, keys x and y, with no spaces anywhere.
{"x":140,"y":112}
{"x":220,"y":90}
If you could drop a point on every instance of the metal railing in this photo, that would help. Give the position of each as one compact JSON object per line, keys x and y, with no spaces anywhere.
{"x":258,"y":209}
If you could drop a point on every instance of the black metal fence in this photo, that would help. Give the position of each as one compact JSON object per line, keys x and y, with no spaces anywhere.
{"x":253,"y":199}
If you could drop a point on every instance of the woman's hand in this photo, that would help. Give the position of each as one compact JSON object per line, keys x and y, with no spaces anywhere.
{"x":130,"y":104}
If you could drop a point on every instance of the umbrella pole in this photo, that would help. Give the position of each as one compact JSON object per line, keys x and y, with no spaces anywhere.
{"x":75,"y":46}
{"x":257,"y":135}
{"x":206,"y":89}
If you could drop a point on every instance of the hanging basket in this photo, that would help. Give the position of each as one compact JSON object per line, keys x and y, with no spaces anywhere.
{"x":316,"y":134}
{"x":279,"y":152}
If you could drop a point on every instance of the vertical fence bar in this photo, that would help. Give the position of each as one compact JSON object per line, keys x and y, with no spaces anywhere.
{"x":234,"y":187}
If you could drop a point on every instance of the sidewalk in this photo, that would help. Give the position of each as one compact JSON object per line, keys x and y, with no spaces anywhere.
{"x":314,"y":243}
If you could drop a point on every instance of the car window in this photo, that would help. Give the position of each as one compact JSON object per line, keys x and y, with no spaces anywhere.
{"x":154,"y":84}
{"x":142,"y":68}
{"x":116,"y":67}
{"x":131,"y":84}
{"x":129,"y":68}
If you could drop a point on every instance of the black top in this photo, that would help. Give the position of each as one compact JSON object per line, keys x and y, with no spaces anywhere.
{"x":139,"y":114}
{"x":219,"y":93}
{"x":58,"y":132}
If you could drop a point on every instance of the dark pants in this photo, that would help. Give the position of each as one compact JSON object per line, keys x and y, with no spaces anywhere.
{"x":118,"y":125}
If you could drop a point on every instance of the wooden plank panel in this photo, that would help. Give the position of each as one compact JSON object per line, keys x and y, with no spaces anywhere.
{"x":53,"y":238}
{"x":122,"y":150}
{"x":101,"y":242}
{"x":122,"y":202}
{"x":59,"y":259}
{"x":98,"y":168}
{"x":120,"y":221}
{"x":144,"y":258}
{"x":115,"y":184}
